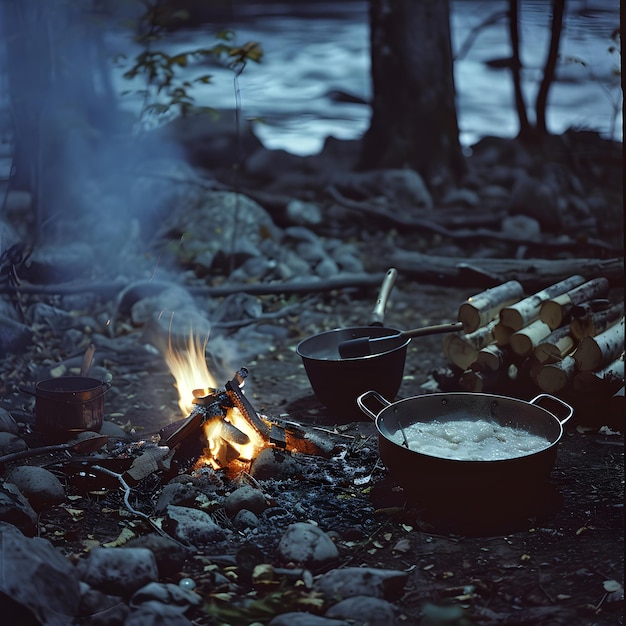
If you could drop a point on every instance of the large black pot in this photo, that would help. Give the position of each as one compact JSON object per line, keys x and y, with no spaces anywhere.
{"x":463,"y":490}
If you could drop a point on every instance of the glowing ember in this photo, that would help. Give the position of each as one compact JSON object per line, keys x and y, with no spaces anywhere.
{"x":190,"y":370}
{"x":215,"y":431}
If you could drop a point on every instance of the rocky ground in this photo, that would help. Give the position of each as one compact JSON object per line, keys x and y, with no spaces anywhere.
{"x":559,"y":560}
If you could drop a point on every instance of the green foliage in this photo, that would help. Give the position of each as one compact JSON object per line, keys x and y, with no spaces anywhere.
{"x":255,"y":608}
{"x":160,"y":68}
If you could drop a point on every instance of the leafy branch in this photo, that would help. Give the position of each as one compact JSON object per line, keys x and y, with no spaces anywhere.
{"x":160,"y":68}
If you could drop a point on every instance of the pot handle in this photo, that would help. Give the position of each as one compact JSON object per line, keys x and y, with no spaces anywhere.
{"x":33,"y":392}
{"x":106,"y":385}
{"x":371,"y":394}
{"x":570,"y":411}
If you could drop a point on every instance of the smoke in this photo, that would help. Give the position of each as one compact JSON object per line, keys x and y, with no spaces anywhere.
{"x":93,"y":178}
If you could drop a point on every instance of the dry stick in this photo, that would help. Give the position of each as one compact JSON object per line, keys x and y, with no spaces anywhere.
{"x":521,"y":313}
{"x":596,"y":352}
{"x":555,"y":346}
{"x":87,"y":360}
{"x":555,"y":311}
{"x":485,"y":306}
{"x":524,"y":341}
{"x":609,"y":378}
{"x":555,"y":377}
{"x":462,"y":348}
{"x":596,"y":323}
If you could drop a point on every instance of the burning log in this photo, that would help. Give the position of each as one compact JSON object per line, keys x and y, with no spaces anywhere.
{"x":558,"y":344}
{"x":524,"y":341}
{"x":486,"y":306}
{"x":555,"y":312}
{"x":225,"y":430}
{"x":522,"y":313}
{"x":594,"y":323}
{"x":596,"y":352}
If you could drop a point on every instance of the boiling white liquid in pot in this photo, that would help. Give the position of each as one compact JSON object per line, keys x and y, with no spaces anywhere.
{"x":470,"y":440}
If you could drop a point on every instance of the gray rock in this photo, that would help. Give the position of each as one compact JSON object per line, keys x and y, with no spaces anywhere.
{"x":307,"y":545}
{"x":218,"y":225}
{"x":245,"y":520}
{"x":14,"y":336}
{"x":114,"y":431}
{"x":166,"y":593}
{"x":16,"y":510}
{"x":44,"y":314}
{"x":246,"y":497}
{"x":40,"y":487}
{"x":177,"y":494}
{"x":273,"y":463}
{"x":361,"y":581}
{"x":364,"y":611}
{"x":51,"y":263}
{"x":327,"y":268}
{"x":169,"y":554}
{"x":521,"y":226}
{"x":191,"y":527}
{"x":10,"y":443}
{"x":305,"y":619}
{"x":536,"y":200}
{"x":119,"y":571}
{"x":157,"y":614}
{"x":101,"y":609}
{"x":461,"y":197}
{"x":39,"y":577}
{"x":7,"y":423}
{"x":303,"y":213}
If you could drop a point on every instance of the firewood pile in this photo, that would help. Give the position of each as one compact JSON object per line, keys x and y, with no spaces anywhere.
{"x":566,"y":340}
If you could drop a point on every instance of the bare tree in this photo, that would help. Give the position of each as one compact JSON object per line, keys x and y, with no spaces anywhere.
{"x":528,"y":131}
{"x":414,"y":121}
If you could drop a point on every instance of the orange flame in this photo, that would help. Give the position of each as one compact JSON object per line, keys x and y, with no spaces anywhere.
{"x":190,"y":370}
{"x":247,"y":451}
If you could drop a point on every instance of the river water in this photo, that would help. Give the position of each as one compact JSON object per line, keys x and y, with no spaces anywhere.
{"x":310,"y":52}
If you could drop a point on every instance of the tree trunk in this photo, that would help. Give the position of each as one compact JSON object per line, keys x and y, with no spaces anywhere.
{"x":516,"y":68}
{"x":414,"y":122}
{"x":558,"y":8}
{"x":60,"y":98}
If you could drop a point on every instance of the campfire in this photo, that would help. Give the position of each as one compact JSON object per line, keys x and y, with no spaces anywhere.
{"x":221,"y":428}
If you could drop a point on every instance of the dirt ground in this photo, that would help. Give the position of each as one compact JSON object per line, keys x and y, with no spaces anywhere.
{"x":559,"y":561}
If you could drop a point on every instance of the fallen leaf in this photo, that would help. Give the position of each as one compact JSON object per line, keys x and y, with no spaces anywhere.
{"x":124,"y":537}
{"x":76,"y":514}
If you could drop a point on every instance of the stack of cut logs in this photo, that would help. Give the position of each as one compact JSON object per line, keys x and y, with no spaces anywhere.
{"x":567,"y":337}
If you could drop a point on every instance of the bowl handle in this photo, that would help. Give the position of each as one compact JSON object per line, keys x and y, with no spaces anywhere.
{"x":371,"y":394}
{"x":569,"y":410}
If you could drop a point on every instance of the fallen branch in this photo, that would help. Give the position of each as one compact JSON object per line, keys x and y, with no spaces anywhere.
{"x":396,"y":219}
{"x":533,"y":274}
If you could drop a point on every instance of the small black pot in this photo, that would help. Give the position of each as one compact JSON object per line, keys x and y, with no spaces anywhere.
{"x":68,"y":405}
{"x":338,"y":382}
